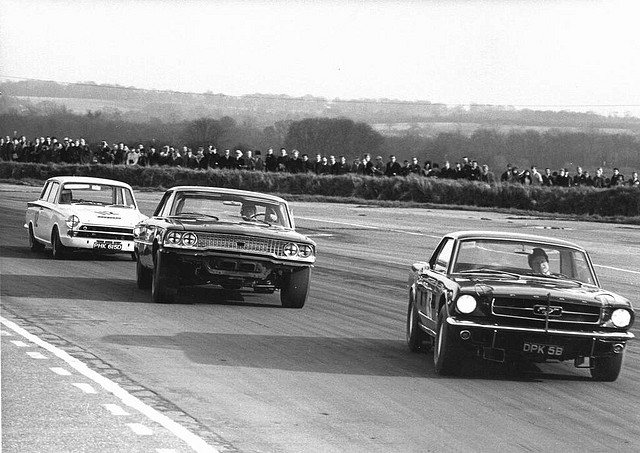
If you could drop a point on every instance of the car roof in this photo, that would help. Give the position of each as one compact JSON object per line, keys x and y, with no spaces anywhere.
{"x":89,"y":180}
{"x":239,"y":192}
{"x":467,"y":235}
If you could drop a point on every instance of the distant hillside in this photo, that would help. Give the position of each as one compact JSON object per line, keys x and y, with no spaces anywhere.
{"x":387,"y":116}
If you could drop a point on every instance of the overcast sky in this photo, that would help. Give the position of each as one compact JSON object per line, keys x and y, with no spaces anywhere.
{"x":580,"y":55}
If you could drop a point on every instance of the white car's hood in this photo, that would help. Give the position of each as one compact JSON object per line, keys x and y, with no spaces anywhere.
{"x":105,"y":215}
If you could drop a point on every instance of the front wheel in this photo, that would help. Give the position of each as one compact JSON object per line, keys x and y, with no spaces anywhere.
{"x":444,"y":359}
{"x":164,"y":286}
{"x":607,"y":369}
{"x":295,"y":289}
{"x":415,"y":336}
{"x":58,"y":250}
{"x":34,"y":244}
{"x":143,"y":276}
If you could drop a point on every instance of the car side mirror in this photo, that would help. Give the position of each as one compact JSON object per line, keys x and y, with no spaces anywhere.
{"x":420,"y":267}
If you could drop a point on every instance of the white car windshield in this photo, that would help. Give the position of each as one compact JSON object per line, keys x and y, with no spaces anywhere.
{"x":229,"y":208}
{"x":523,"y":258}
{"x":96,"y":194}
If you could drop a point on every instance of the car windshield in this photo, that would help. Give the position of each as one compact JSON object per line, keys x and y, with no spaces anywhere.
{"x":222,"y":207}
{"x":519,"y":258}
{"x":96,"y":194}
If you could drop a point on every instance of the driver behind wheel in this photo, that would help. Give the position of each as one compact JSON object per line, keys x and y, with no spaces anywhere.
{"x":248,"y":211}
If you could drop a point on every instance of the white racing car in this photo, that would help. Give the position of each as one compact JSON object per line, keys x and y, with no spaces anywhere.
{"x":75,"y":212}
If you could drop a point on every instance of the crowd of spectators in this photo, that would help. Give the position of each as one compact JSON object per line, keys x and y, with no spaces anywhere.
{"x":50,"y":149}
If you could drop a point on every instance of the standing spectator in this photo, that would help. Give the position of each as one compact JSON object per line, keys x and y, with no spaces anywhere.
{"x":238,"y":162}
{"x":307,"y":165}
{"x":486,"y":175}
{"x":317,"y":164}
{"x":365,"y":167}
{"x":617,"y":179}
{"x":249,"y":160}
{"x":85,"y":156}
{"x":226,"y":161}
{"x":175,"y":159}
{"x":153,"y":157}
{"x":392,"y":168}
{"x":132,"y":157}
{"x":294,"y":164}
{"x":190,"y":159}
{"x":536,"y":177}
{"x":258,"y":162}
{"x":598,"y":180}
{"x":473,"y":172}
{"x":633,"y":181}
{"x":405,"y":170}
{"x":525,"y":178}
{"x":271,"y":161}
{"x":547,"y":178}
{"x":378,"y":167}
{"x":414,"y":167}
{"x":283,"y":160}
{"x":447,"y":172}
{"x":563,"y":180}
{"x":507,"y":176}
{"x":579,"y":179}
{"x":325,"y":168}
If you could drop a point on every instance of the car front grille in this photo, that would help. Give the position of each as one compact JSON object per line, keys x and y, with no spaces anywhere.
{"x":557,"y":311}
{"x":105,"y":232}
{"x":241,"y":243}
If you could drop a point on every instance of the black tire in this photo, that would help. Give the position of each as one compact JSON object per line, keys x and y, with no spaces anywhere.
{"x":164,"y":286}
{"x":34,"y":245}
{"x":444,"y":357}
{"x":415,"y":336}
{"x":295,"y":289}
{"x":143,"y":276}
{"x":607,"y":369}
{"x":58,"y":250}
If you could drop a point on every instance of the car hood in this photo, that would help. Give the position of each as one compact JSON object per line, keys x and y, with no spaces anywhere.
{"x":542,"y":287}
{"x":245,"y":228}
{"x":104,"y":215}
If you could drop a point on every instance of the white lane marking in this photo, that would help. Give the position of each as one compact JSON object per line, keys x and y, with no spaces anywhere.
{"x":20,"y":344}
{"x":359,"y":225}
{"x":195,"y":442}
{"x":140,"y":429}
{"x":60,"y":371}
{"x":36,"y":355}
{"x":616,"y":269}
{"x":115,"y":409}
{"x":86,"y":388}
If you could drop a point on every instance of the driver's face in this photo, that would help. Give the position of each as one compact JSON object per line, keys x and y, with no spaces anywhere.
{"x":540,"y":265}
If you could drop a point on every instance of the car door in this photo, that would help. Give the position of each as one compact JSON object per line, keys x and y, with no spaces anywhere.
{"x":430,"y":286}
{"x":45,"y":214}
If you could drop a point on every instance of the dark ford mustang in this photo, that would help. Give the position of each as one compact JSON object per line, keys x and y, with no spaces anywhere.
{"x":226,"y":237}
{"x":514,"y":297}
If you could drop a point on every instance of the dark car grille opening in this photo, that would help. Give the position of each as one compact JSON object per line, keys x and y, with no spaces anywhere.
{"x":241,"y":243}
{"x":105,"y":232}
{"x":557,"y":311}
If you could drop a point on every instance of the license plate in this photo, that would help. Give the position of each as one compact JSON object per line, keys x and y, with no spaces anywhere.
{"x":102,"y":245}
{"x":546,"y":350}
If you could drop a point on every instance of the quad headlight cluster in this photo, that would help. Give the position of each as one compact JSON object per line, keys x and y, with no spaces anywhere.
{"x":293,"y":250}
{"x":186,"y":239}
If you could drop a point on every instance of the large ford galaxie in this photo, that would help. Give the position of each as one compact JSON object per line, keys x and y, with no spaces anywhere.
{"x":231,"y":238}
{"x":76,"y":212}
{"x":514,"y":297}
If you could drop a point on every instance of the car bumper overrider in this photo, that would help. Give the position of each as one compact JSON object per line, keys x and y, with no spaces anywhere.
{"x":502,"y":343}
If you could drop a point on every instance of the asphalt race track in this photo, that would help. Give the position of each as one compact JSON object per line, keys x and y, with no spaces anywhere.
{"x":336,"y":376}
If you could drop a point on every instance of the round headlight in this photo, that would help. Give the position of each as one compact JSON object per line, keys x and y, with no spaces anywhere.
{"x":305,"y":251}
{"x":73,"y":221}
{"x":466,"y":304}
{"x":173,"y":237}
{"x":620,"y":317}
{"x":190,"y":239}
{"x":290,"y":249}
